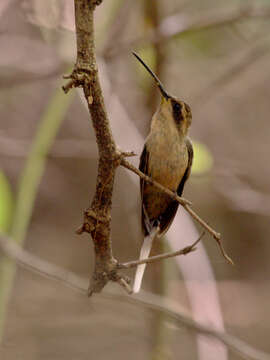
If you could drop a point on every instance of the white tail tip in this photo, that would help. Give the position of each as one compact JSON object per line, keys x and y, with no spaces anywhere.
{"x":145,"y":251}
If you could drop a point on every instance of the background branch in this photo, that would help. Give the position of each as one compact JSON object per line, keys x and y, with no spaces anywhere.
{"x":181,"y":24}
{"x":28,"y":185}
{"x":151,"y":301}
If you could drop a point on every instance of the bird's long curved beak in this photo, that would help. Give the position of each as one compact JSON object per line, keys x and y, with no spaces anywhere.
{"x":158,"y":82}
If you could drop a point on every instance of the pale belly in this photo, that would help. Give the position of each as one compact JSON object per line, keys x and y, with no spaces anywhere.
{"x":167,"y":165}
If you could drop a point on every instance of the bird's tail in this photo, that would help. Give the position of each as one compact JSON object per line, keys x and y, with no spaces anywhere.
{"x":145,"y":251}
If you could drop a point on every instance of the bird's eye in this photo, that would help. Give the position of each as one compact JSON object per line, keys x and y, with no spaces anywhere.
{"x":177,"y":111}
{"x":176,"y":107}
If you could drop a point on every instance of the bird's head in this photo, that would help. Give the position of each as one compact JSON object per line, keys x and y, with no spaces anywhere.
{"x":172,"y":107}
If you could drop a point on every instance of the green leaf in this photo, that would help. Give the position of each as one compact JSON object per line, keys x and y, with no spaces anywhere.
{"x":203,"y":160}
{"x":6,"y":203}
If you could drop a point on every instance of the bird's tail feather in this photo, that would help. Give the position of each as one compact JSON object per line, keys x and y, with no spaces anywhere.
{"x":145,"y":251}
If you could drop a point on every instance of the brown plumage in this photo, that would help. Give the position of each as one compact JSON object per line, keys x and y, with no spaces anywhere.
{"x":157,"y":208}
{"x":167,"y":158}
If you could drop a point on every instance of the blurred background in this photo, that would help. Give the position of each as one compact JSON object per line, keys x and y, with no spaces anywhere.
{"x":215,"y":56}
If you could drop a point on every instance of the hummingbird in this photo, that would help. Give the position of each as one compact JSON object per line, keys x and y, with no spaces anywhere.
{"x":167,"y":158}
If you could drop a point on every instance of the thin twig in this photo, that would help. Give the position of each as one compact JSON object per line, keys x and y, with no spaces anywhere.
{"x":152,"y":259}
{"x":154,"y":302}
{"x":211,"y":231}
{"x":173,"y":195}
{"x":186,"y":205}
{"x":125,"y":285}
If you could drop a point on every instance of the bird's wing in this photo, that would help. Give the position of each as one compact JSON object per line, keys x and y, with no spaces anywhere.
{"x":143,"y":167}
{"x":188,"y":169}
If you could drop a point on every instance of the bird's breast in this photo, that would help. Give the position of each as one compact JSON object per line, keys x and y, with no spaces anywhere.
{"x":168,"y":159}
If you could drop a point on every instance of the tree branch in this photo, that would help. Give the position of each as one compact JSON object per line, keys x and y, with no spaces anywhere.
{"x":152,"y":259}
{"x":97,"y":218}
